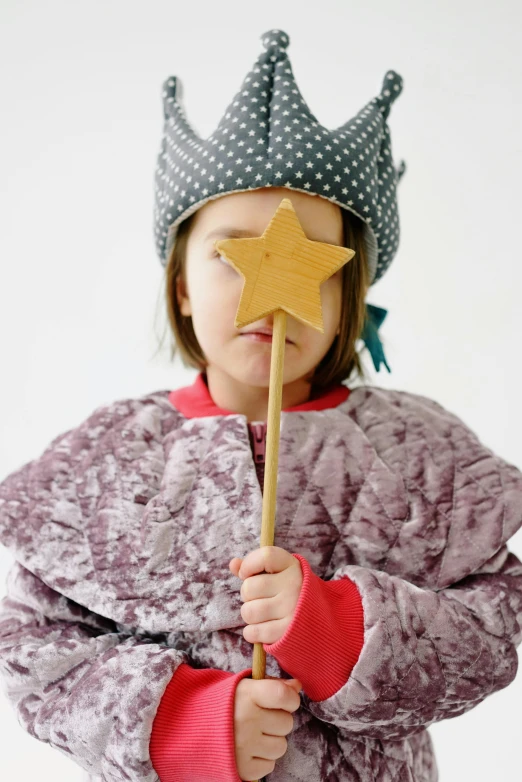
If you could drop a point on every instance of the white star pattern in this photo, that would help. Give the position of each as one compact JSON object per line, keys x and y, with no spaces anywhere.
{"x":271,"y":137}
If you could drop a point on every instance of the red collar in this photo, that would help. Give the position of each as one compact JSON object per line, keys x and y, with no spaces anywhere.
{"x":194,"y":401}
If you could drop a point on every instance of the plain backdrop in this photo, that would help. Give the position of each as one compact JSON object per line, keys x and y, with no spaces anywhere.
{"x":81,"y":307}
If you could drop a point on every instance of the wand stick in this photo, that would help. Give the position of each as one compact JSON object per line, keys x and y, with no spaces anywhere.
{"x":282,"y":271}
{"x":275,"y":393}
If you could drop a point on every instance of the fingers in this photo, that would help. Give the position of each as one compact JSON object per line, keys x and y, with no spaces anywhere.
{"x":262,"y":585}
{"x":271,"y":559}
{"x":267,"y":631}
{"x":276,"y":694}
{"x":271,"y":747}
{"x":234,"y":565}
{"x":277,"y":723}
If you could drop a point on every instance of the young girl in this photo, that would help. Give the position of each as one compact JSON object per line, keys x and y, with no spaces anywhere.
{"x":390,"y":599}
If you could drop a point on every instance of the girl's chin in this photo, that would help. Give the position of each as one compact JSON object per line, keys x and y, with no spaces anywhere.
{"x":257,"y":372}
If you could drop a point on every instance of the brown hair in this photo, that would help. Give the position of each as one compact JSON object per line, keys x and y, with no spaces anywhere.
{"x":340,"y":360}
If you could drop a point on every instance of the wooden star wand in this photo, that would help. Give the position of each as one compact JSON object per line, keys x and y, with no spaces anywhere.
{"x":282,"y":271}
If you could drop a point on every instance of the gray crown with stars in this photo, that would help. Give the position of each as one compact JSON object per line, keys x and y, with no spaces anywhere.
{"x":268,"y":137}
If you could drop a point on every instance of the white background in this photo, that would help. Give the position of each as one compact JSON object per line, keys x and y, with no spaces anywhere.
{"x":81,"y":287}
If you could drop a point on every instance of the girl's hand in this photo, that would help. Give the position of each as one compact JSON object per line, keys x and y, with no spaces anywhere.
{"x":263,"y":711}
{"x":271,"y":597}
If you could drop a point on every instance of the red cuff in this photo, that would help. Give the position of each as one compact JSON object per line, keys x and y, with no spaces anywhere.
{"x":323,"y":641}
{"x":192,"y":737}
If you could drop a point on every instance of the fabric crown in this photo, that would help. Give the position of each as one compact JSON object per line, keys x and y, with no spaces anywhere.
{"x":268,"y":137}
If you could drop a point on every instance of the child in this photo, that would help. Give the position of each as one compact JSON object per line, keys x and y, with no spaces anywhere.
{"x":390,"y":599}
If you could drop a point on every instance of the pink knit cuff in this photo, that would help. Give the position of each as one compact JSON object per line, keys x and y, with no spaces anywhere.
{"x":324,"y":639}
{"x":192,"y":737}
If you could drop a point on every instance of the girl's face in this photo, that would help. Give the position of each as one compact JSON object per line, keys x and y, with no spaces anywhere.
{"x":213,"y":287}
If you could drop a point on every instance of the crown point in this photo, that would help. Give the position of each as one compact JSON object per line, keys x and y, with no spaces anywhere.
{"x":275,"y":39}
{"x":391,"y":89}
{"x":392,"y":83}
{"x":169,"y":87}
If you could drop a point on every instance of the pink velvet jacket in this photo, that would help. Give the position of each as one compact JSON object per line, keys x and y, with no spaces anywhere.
{"x":121,"y":637}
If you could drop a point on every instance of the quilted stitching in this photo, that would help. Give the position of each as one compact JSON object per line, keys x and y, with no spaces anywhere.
{"x":384,"y":482}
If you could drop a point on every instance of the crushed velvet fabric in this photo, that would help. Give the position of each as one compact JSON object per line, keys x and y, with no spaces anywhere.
{"x":122,"y":531}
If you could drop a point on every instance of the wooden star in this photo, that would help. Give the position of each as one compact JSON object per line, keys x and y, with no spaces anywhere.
{"x":282,"y":269}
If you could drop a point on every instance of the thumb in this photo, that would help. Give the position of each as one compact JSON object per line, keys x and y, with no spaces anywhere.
{"x":294,"y":683}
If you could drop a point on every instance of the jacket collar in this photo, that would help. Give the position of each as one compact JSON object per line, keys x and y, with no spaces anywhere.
{"x":194,"y":401}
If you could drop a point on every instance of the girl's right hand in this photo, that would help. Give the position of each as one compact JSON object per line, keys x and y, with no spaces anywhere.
{"x":262,"y":718}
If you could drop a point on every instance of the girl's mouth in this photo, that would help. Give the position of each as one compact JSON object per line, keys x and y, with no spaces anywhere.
{"x":256,"y":337}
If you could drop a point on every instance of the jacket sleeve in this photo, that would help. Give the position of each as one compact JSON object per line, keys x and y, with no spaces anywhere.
{"x":427,"y":655}
{"x":323,"y":641}
{"x":121,"y":706}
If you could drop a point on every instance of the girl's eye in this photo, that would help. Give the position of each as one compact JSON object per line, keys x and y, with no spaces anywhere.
{"x":221,"y":257}
{"x":224,"y":262}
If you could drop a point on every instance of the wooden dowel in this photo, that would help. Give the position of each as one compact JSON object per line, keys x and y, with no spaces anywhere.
{"x":275,"y":394}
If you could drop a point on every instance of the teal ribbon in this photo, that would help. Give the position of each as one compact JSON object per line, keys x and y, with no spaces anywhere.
{"x":370,"y":335}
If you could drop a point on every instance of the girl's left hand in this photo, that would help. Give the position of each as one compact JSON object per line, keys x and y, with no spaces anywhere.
{"x":270,"y":597}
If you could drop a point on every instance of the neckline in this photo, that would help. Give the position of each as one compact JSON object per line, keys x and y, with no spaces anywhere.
{"x":195,"y":401}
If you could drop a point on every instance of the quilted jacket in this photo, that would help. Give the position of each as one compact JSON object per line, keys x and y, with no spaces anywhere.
{"x":121,"y":636}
